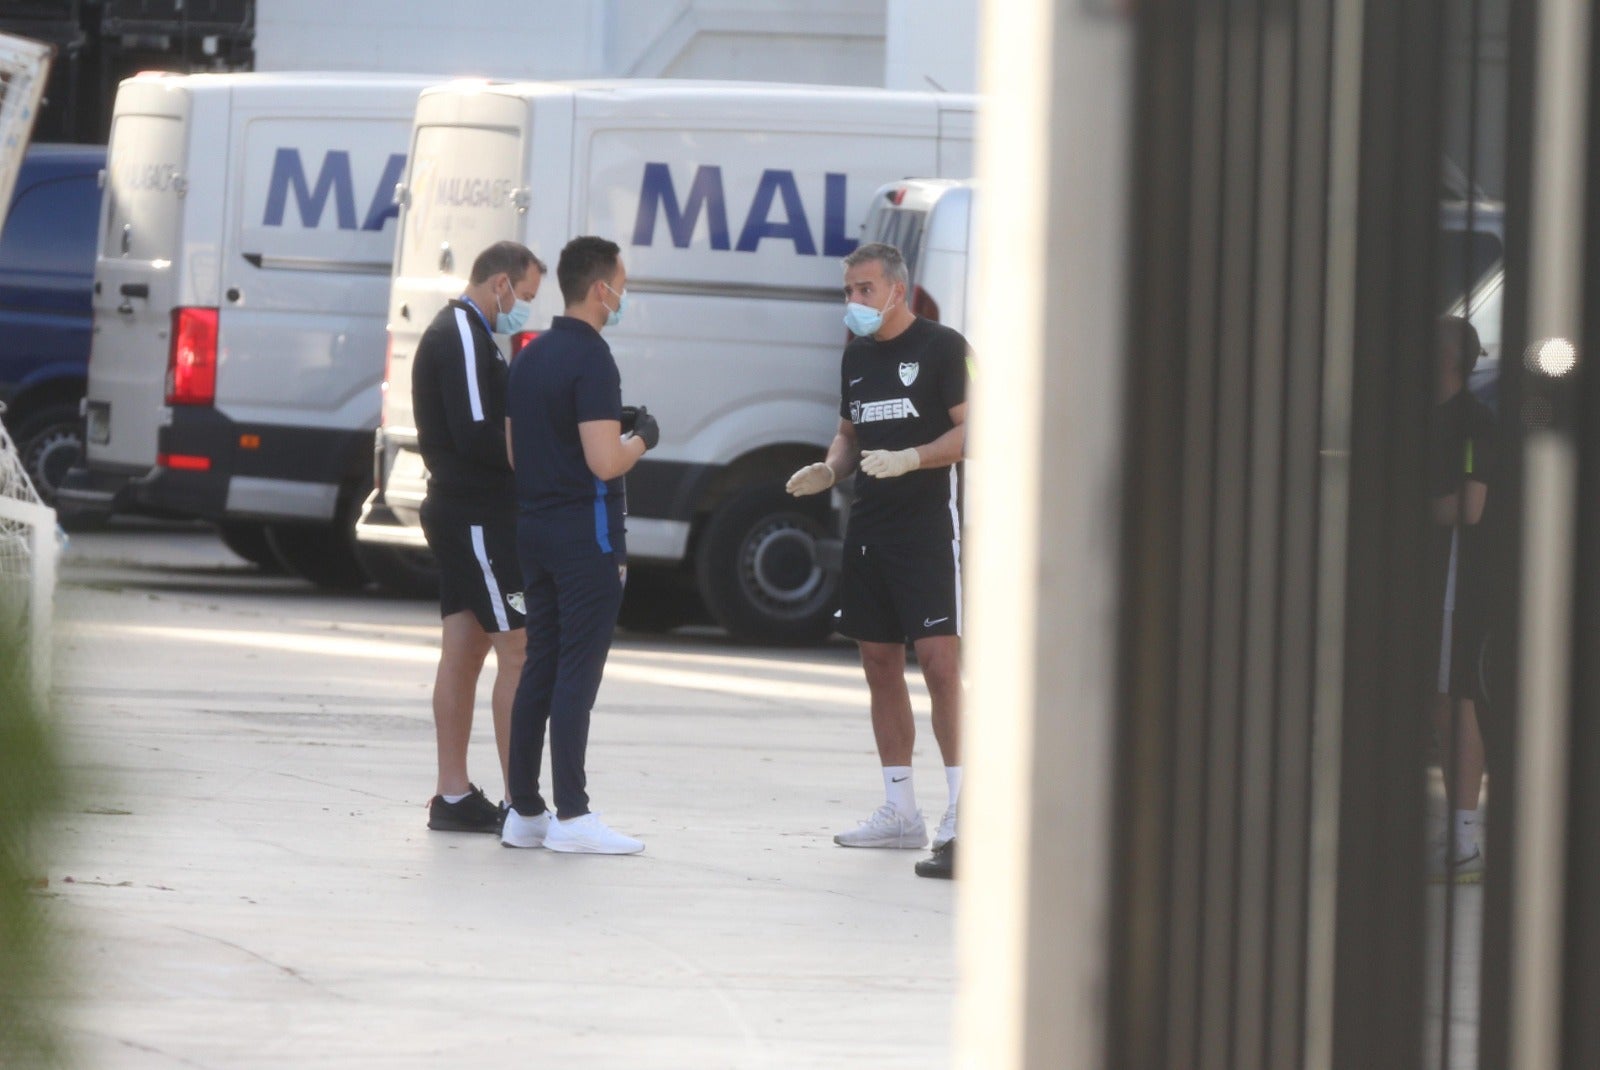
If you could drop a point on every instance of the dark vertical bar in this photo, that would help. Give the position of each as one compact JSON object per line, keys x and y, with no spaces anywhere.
{"x":1230,"y":500}
{"x":1148,"y":980}
{"x":1261,"y":630}
{"x":1505,"y":538}
{"x":1192,"y":821}
{"x":1379,"y":974}
{"x":1580,"y":1022}
{"x":1302,"y":295}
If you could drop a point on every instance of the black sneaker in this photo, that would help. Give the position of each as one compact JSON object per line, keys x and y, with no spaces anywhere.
{"x":941,"y":864}
{"x":475,"y":813}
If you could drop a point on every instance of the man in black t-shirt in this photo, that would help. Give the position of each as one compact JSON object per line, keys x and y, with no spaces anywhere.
{"x":458,"y":389}
{"x":902,"y":410}
{"x":1460,"y":458}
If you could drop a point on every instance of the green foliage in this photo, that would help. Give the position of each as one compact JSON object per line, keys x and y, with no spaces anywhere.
{"x":31,"y":791}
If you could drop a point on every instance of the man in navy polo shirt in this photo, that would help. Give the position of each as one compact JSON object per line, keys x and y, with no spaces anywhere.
{"x":565,"y":435}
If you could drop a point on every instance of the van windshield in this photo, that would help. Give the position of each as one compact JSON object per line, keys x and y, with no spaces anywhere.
{"x":144,"y":182}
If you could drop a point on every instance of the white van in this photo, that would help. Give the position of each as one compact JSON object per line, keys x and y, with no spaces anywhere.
{"x":246,"y":238}
{"x":733,"y":204}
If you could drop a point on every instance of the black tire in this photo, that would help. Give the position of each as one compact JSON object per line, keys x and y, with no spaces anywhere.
{"x":322,"y":553}
{"x":400,"y":572}
{"x":758,"y":570}
{"x":658,"y":600}
{"x":249,"y":541}
{"x":50,"y":442}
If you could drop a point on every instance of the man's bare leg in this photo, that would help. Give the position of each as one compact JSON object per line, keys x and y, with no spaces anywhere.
{"x":940,"y":658}
{"x":462,"y":648}
{"x":892,"y":726}
{"x":510,"y":650}
{"x":1463,"y":765}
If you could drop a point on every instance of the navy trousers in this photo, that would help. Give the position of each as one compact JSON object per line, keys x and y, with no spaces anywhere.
{"x":572,"y":597}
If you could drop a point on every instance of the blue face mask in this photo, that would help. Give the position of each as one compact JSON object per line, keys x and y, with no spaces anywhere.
{"x":614,"y":315}
{"x":517,"y":318}
{"x":864,"y":320}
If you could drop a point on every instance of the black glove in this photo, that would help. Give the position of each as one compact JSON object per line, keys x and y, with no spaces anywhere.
{"x":646,"y":428}
{"x":630,"y":416}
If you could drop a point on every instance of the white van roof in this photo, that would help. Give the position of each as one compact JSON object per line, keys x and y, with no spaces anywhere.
{"x":686,"y":90}
{"x":267,"y":80}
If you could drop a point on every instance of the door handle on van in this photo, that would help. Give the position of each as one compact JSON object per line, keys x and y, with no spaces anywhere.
{"x":136,"y":289}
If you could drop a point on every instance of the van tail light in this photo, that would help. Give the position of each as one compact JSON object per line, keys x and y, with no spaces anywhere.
{"x":520,"y":340}
{"x":923,"y":305}
{"x":192,"y":358}
{"x":897,"y":196}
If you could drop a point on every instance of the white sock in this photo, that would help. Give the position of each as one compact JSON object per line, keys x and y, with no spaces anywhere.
{"x":897,"y":788}
{"x":952,"y":777}
{"x":1466,"y":833}
{"x":453,"y":799}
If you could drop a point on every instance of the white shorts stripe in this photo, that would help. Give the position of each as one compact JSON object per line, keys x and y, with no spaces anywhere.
{"x":469,"y":353}
{"x":496,"y":598}
{"x":955,"y":541}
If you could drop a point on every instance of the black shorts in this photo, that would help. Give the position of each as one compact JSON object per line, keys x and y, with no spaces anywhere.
{"x":898,"y":592}
{"x":1463,"y":654}
{"x":478,"y":568}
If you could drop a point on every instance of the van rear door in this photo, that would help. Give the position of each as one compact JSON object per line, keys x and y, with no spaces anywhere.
{"x":464,"y":190}
{"x":306,"y":283}
{"x":135,"y":277}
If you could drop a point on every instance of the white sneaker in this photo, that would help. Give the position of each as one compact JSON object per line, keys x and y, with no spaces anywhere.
{"x":590,"y":836}
{"x":887,"y":827}
{"x":947,"y":829}
{"x":519,"y":831}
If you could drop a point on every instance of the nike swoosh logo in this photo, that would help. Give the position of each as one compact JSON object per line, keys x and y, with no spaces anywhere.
{"x":926,"y":623}
{"x":898,"y":779}
{"x":853,"y":382}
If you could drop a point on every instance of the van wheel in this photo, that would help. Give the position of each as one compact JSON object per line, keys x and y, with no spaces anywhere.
{"x":322,"y":553}
{"x":401,"y":572}
{"x":759,"y":572}
{"x":50,"y":442}
{"x":249,"y":541}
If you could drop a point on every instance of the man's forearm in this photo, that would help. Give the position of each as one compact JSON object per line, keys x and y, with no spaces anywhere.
{"x":842,"y":455}
{"x":945,"y":450}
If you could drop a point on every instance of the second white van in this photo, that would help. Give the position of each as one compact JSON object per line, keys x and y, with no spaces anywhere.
{"x":246,"y":237}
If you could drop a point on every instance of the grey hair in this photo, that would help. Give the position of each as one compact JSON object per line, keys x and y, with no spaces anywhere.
{"x":894,"y":265}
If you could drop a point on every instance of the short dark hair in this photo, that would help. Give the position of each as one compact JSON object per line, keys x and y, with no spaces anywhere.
{"x":894,"y":264}
{"x":583,"y":262}
{"x":1469,"y":347}
{"x":504,"y":257}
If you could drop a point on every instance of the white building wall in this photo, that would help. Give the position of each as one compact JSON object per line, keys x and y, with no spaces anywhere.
{"x":932,"y":44}
{"x":813,"y":41}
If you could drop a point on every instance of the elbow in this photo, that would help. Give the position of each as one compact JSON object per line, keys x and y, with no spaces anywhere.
{"x":606,"y":471}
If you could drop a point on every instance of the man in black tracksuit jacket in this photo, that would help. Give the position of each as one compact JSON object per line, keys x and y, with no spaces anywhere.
{"x":458,"y":391}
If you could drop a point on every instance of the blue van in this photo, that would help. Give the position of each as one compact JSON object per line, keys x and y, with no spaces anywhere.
{"x":47,"y":252}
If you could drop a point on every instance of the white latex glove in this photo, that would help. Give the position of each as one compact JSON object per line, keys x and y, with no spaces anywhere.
{"x":886,"y":464}
{"x":812,"y":479}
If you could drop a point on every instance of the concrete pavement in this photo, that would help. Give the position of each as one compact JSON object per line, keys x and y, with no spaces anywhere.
{"x":251,"y":884}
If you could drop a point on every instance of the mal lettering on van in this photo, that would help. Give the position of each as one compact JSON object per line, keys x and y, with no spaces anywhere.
{"x":467,"y":192}
{"x":658,"y":198}
{"x":334,"y":181}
